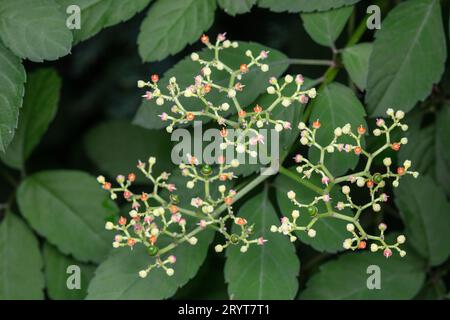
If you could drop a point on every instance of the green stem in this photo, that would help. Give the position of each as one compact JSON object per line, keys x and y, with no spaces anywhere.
{"x":304,"y":182}
{"x":249,"y":187}
{"x":311,"y":62}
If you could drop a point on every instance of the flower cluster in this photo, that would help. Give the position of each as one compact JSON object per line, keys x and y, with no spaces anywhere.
{"x":249,"y":117}
{"x":373,"y":182}
{"x":153,"y":217}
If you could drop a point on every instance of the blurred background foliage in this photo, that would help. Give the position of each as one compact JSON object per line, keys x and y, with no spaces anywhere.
{"x":92,"y":132}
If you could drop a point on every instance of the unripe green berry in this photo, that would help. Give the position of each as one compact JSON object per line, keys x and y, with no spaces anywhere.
{"x":152,"y":250}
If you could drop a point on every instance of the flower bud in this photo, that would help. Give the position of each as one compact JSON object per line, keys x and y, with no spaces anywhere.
{"x":291,"y":195}
{"x":170,"y":272}
{"x":142,"y":273}
{"x":311,"y":233}
{"x":350,"y":227}
{"x":218,"y":248}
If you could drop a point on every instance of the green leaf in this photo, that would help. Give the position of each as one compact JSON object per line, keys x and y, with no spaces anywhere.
{"x":409,"y":71}
{"x":325,"y":27}
{"x":356,"y":62}
{"x":35,"y":29}
{"x":234,"y":7}
{"x":443,"y":148}
{"x":435,"y":289}
{"x":21,"y":277}
{"x":12,"y":79}
{"x":57,"y":274}
{"x":117,"y":277}
{"x":335,"y":106}
{"x":331,"y":233}
{"x":255,"y":82}
{"x":39,"y":109}
{"x":116,"y":146}
{"x":348,"y":275}
{"x":263,"y":272}
{"x":170,"y":25}
{"x":68,"y":208}
{"x":96,"y":15}
{"x":425,"y":210}
{"x":304,"y":5}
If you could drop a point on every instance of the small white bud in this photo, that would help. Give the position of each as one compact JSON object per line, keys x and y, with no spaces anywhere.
{"x":160,"y":101}
{"x":193,"y":241}
{"x":304,"y":141}
{"x":377,"y":132}
{"x":286,"y":102}
{"x":360,"y":182}
{"x":109,"y":225}
{"x":225,"y":106}
{"x":330,"y":149}
{"x":278,"y":127}
{"x":244,"y":249}
{"x":399,"y":114}
{"x":311,"y":233}
{"x":401,"y":239}
{"x":405,"y":127}
{"x":152,"y":160}
{"x":295,"y":214}
{"x":291,"y":195}
{"x":234,"y":163}
{"x":259,"y":124}
{"x":345,"y":189}
{"x":226,"y":44}
{"x":271,"y":90}
{"x":248,"y":53}
{"x":338,"y":132}
{"x":170,"y":272}
{"x":133,"y":213}
{"x":292,"y":238}
{"x":141,"y":84}
{"x":402,"y":253}
{"x":101,"y":179}
{"x":235,"y":44}
{"x":376,"y":207}
{"x":240,"y":148}
{"x":218,"y":248}
{"x":194,"y":56}
{"x":350,"y":227}
{"x":288,"y":78}
{"x":390,"y":112}
{"x":222,"y":188}
{"x":264,"y":67}
{"x":346,"y":129}
{"x":373,"y":247}
{"x":347,"y":243}
{"x":387,"y":161}
{"x":395,"y":183}
{"x":404,"y":140}
{"x":302,"y":126}
{"x":407,"y":164}
{"x":116,"y":244}
{"x":206,"y":71}
{"x":232,"y":93}
{"x":273,"y":228}
{"x":142,"y":273}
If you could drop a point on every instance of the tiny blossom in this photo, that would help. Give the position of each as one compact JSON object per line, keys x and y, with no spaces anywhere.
{"x":164,"y":116}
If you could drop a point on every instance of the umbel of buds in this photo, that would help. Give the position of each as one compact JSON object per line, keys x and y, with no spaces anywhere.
{"x":153,"y":216}
{"x":371,"y":182}
{"x":250,"y":118}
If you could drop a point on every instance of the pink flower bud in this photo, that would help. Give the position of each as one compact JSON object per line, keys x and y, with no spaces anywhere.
{"x":163,"y":116}
{"x":387,"y":252}
{"x":380,"y":122}
{"x":298,"y":158}
{"x":303,"y":99}
{"x":299,"y":79}
{"x":148,"y":95}
{"x":264,"y":54}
